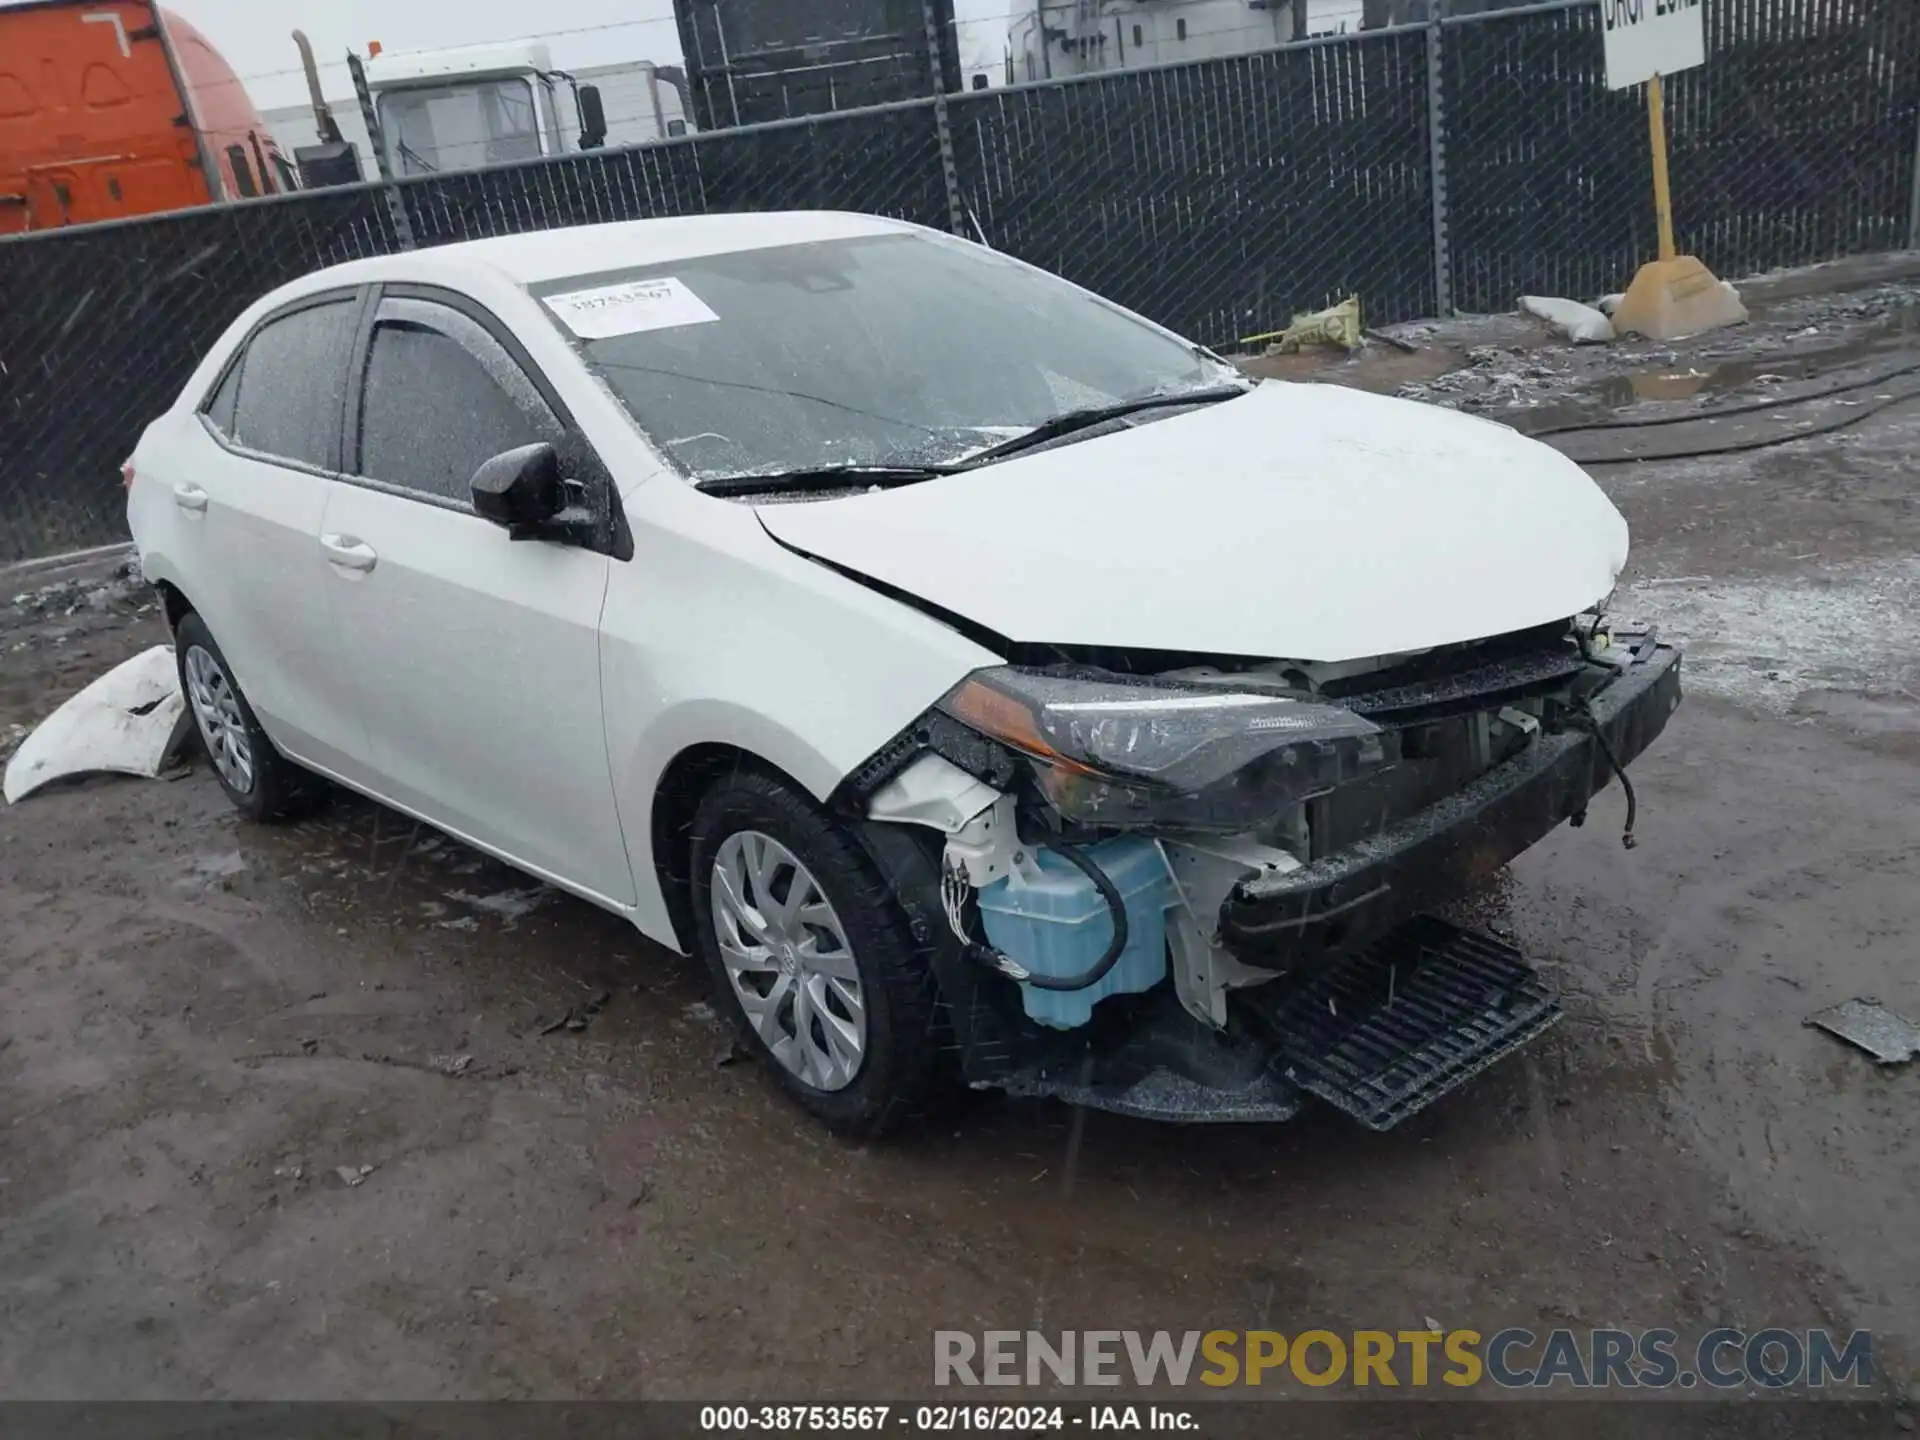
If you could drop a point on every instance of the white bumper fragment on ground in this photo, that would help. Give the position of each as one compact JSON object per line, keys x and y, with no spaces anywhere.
{"x":126,"y":723}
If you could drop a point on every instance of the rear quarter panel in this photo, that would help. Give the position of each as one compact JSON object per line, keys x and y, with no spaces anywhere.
{"x":152,"y":516}
{"x":163,"y":454}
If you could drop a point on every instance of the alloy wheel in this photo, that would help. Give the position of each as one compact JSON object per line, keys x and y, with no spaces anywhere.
{"x":786,"y":954}
{"x":216,"y":706}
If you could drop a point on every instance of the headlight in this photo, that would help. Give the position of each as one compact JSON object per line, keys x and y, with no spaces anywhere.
{"x":1122,"y":752}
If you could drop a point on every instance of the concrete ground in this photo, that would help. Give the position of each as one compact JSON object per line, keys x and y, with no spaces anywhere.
{"x":284,"y":1112}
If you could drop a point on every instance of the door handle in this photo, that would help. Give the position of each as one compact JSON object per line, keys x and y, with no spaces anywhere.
{"x":190,"y":498}
{"x":346,"y":553}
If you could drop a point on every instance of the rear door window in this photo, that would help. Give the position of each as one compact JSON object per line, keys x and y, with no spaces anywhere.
{"x":224,"y":403}
{"x":441,"y":397}
{"x":293,"y":382}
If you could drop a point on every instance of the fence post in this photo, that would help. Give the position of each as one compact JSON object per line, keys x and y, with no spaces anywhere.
{"x":1913,"y":203}
{"x":396,"y":206}
{"x":1437,"y":160}
{"x":956,"y":212}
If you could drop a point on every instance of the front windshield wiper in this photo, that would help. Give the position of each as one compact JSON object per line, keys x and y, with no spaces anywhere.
{"x":855,"y":477}
{"x":823,"y":477}
{"x":1085,"y":419}
{"x":424,"y":166}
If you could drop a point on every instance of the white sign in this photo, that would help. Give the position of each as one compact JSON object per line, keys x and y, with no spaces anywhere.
{"x":1646,"y":38}
{"x":630,"y":308}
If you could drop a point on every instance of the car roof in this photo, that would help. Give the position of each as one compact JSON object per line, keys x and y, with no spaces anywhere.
{"x":542,"y":255}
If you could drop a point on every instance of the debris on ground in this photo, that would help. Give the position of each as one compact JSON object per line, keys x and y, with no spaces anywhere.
{"x":352,"y":1175}
{"x":1889,"y":1038}
{"x":129,"y":721}
{"x":511,"y":906}
{"x":1405,"y":346}
{"x":576,"y":1019}
{"x":1582,"y":324}
{"x":451,"y":1064}
{"x":732,"y":1052}
{"x":122,"y":587}
{"x":1338,"y":326}
{"x":1511,"y":365}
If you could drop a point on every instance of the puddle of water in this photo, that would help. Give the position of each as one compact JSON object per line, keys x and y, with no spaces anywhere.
{"x":509,"y":905}
{"x":213,"y":871}
{"x":220,"y":867}
{"x":1668,"y":385}
{"x":357,"y":853}
{"x":1702,"y":378}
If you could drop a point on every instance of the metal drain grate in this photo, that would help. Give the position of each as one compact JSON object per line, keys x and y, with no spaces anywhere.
{"x":1386,"y":1034}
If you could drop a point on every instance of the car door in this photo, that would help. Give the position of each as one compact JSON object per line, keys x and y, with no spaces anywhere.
{"x":249,"y":495}
{"x":475,"y":657}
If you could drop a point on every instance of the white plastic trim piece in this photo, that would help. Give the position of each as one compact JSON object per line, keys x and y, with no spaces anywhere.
{"x":988,"y":847}
{"x":127,"y":722}
{"x":934,"y":792}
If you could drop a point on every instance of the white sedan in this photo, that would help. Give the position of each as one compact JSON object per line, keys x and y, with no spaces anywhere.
{"x":987,"y":683}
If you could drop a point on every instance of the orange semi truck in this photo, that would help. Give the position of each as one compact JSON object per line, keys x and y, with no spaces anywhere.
{"x":111,"y":108}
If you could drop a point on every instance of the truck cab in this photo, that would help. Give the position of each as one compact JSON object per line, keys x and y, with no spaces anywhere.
{"x":463,"y":108}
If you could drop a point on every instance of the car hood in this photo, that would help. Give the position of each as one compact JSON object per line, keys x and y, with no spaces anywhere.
{"x":1305,"y":522}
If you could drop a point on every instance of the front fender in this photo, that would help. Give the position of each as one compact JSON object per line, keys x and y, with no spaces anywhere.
{"x":714,"y":634}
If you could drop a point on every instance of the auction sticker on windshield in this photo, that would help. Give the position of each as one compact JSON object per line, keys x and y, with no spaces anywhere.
{"x":629,"y":308}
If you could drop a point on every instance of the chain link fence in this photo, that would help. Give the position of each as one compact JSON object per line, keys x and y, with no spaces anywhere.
{"x":101,"y":325}
{"x":1454,"y":165}
{"x":1217,"y":198}
{"x":884,"y":160}
{"x":1794,"y":143}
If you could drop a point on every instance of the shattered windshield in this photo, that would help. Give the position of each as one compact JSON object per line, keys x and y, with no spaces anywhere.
{"x":896,"y":350}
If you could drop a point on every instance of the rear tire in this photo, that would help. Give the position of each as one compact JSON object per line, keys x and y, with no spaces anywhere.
{"x":261,"y":782}
{"x":812,"y":958}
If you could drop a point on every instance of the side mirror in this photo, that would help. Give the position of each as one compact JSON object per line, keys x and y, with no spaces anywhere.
{"x":593,"y":117}
{"x":520,"y":489}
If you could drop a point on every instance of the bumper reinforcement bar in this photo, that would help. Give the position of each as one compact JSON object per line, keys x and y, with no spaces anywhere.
{"x":1347,"y":900}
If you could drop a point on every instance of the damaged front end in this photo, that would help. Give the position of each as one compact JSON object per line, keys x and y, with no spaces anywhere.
{"x":1191,"y":887}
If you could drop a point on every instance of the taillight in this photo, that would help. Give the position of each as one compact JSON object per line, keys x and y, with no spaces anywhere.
{"x":126,"y":475}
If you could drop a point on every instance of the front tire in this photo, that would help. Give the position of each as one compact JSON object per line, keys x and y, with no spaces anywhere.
{"x":261,"y":782}
{"x":812,"y":958}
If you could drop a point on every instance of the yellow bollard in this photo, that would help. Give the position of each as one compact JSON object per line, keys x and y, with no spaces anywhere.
{"x":1675,"y":295}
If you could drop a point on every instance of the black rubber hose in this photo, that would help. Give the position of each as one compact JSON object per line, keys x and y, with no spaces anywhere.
{"x":1620,"y":771}
{"x":1742,"y":446}
{"x":1772,"y":402}
{"x":1118,"y":907}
